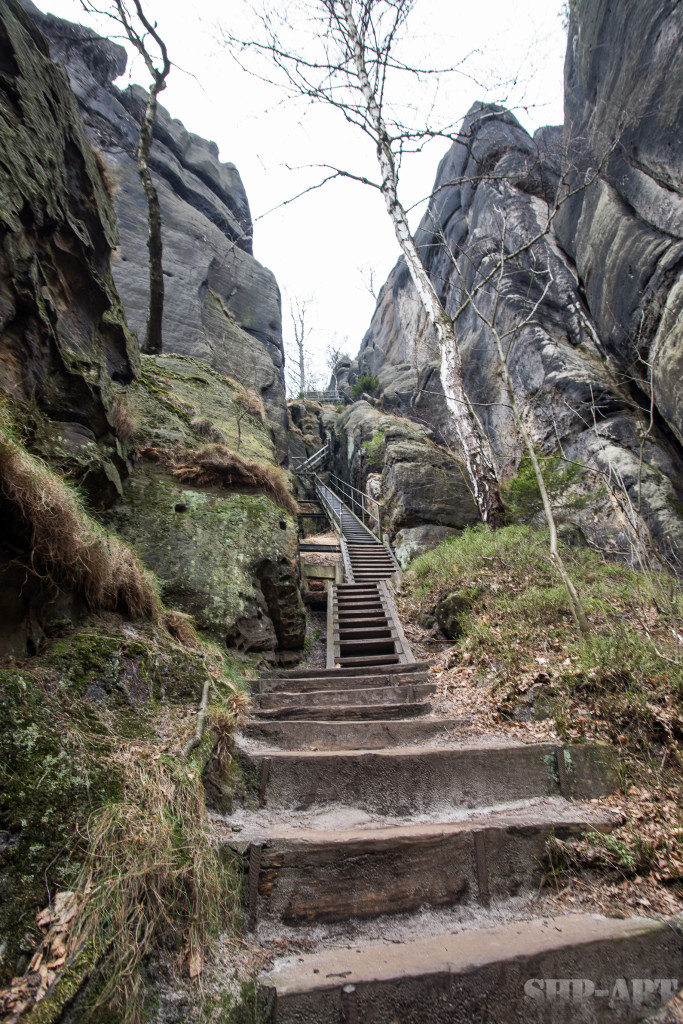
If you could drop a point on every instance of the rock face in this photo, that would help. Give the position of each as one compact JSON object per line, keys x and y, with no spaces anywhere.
{"x":590,"y":310}
{"x":64,"y":337}
{"x":224,"y":556}
{"x":221,"y":305}
{"x":624,"y":118}
{"x":419,"y":482}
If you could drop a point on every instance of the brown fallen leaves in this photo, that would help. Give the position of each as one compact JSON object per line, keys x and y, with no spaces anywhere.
{"x":55,"y":922}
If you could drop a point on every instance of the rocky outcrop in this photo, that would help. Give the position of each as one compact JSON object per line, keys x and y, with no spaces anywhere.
{"x":624,"y":229}
{"x":418,"y":481}
{"x":225,"y":555}
{"x":605,"y":271}
{"x":221,"y":305}
{"x":64,"y":337}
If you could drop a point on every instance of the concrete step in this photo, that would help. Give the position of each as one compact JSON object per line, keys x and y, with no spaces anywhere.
{"x":314,"y":876}
{"x":415,"y":780}
{"x":507,"y":974}
{"x":343,"y":735}
{"x":341,"y":712}
{"x":369,"y":694}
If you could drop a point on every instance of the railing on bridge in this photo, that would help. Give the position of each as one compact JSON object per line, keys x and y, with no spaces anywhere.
{"x":306,"y":467}
{"x":366,"y":508}
{"x":331,"y":396}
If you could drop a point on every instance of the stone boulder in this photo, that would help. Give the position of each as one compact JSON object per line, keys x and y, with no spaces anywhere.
{"x":451,"y":614}
{"x":414,"y":541}
{"x":575,"y":396}
{"x":420,"y":483}
{"x":624,"y":229}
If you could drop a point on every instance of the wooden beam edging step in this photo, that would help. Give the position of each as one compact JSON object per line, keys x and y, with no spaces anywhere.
{"x":406,"y":655}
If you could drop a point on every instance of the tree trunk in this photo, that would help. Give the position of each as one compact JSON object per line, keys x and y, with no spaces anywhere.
{"x":479,"y":465}
{"x":153,"y":338}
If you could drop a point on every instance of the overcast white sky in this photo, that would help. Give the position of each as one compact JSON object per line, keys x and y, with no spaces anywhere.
{"x":319,"y":245}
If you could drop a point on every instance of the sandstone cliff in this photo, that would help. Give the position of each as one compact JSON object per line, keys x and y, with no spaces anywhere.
{"x":221,"y":305}
{"x":596,"y":370}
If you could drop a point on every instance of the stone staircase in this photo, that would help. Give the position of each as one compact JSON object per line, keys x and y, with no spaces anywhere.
{"x":404,"y":859}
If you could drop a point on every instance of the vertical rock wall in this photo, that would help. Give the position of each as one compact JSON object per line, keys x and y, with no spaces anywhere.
{"x":221,"y":305}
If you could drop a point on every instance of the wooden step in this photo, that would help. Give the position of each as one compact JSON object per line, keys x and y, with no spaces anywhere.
{"x":333,"y":875}
{"x":372,"y":677}
{"x":504,"y":974}
{"x":369,"y":661}
{"x":413,"y":780}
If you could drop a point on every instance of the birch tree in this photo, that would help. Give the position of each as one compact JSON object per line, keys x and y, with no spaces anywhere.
{"x":140,"y":31}
{"x":358,"y":40}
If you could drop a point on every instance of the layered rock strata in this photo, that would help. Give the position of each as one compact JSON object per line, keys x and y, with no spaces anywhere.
{"x":221,"y":305}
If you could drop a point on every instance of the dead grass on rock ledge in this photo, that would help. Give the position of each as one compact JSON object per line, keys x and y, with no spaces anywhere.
{"x":219,"y":466}
{"x":64,"y":544}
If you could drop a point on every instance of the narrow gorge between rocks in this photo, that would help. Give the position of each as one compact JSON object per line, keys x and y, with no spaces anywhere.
{"x":288,"y":735}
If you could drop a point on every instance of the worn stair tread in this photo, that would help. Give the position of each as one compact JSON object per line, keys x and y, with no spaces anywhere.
{"x":342,"y":712}
{"x":415,"y":779}
{"x":343,"y":735}
{"x":459,"y":954}
{"x":565,"y":814}
{"x":367,"y":660}
{"x":361,"y":695}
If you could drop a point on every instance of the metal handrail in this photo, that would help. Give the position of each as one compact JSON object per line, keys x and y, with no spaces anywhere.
{"x":348,"y":493}
{"x":309,"y":464}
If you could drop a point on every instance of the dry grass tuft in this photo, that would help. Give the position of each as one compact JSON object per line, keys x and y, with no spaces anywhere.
{"x":181,"y":627}
{"x":252,"y":403}
{"x":124,"y":424}
{"x":66,"y":546}
{"x":151,"y":873}
{"x":218,"y":466}
{"x":207,"y":429}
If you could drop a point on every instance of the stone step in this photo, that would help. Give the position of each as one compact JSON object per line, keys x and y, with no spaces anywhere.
{"x":370,"y":694}
{"x":343,"y":735}
{"x":315,"y":876}
{"x":340,"y":712}
{"x":508,"y":974}
{"x":415,"y":780}
{"x":371,"y":677}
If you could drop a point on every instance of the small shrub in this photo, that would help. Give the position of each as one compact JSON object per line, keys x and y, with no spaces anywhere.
{"x":124,"y":424}
{"x":251,"y":403}
{"x":374,"y":451}
{"x":365,"y":385}
{"x":522,"y":495}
